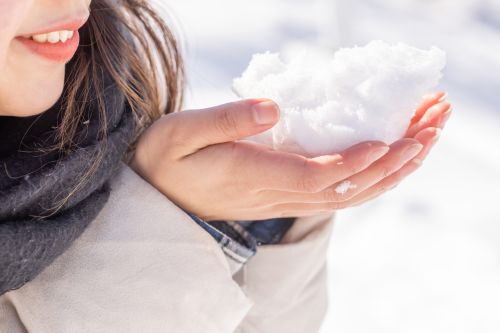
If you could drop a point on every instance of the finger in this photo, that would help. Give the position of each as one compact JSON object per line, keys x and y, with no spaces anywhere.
{"x":433,"y":117}
{"x":308,"y":209}
{"x":191,"y":130}
{"x":384,"y":186}
{"x":428,"y":137}
{"x":428,"y":101}
{"x":281,"y":171}
{"x":401,"y":152}
{"x":445,"y":117}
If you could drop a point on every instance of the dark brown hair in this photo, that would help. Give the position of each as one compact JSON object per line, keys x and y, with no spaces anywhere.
{"x":139,"y":69}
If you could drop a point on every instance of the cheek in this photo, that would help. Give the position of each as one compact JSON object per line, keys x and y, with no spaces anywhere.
{"x":11,"y":10}
{"x":26,"y":87}
{"x":12,"y":14}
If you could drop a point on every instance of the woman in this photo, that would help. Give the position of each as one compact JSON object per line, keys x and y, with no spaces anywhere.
{"x":104,"y":185}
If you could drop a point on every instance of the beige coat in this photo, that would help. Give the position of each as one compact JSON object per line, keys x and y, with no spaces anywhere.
{"x":145,"y":266}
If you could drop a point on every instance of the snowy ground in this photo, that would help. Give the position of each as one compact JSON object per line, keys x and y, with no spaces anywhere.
{"x":425,"y":257}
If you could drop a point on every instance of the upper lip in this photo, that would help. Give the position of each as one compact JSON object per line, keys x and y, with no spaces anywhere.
{"x":71,"y":24}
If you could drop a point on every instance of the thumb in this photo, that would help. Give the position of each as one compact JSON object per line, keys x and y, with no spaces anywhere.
{"x":197,"y":129}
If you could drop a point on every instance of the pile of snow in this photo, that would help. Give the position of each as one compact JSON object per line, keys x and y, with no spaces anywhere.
{"x":329,"y":104}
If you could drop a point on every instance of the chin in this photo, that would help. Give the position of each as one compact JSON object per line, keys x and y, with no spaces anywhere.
{"x":44,"y":95}
{"x":30,"y":108}
{"x":35,"y":110}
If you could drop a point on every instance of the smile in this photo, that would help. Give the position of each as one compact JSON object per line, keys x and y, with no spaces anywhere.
{"x":58,"y":44}
{"x":53,"y":37}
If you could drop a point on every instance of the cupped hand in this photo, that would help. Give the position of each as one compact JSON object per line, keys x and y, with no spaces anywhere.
{"x":386,"y":173}
{"x":426,"y":126}
{"x":196,"y":158}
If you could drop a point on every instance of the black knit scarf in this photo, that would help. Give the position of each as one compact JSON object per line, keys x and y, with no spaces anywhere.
{"x":32,"y":183}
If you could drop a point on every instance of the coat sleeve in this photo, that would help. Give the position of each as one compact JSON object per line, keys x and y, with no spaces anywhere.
{"x":288,"y":281}
{"x":142,"y":265}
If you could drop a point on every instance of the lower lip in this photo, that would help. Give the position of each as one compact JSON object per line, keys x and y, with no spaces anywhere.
{"x":58,"y":52}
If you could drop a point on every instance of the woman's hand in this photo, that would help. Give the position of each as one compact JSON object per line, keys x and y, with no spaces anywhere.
{"x":194,"y":159}
{"x":425,"y":127}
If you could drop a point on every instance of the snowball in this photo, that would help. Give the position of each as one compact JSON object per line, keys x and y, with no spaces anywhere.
{"x":331,"y":103}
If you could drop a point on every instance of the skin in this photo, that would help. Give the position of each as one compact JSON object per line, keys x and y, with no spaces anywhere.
{"x":22,"y":72}
{"x":232,"y":179}
{"x":197,"y":159}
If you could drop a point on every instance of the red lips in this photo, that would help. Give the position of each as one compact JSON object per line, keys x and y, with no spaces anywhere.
{"x":59,"y":52}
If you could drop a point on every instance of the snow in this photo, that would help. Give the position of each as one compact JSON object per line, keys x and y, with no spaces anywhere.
{"x":329,"y":103}
{"x":424,"y":257}
{"x":344,"y":187}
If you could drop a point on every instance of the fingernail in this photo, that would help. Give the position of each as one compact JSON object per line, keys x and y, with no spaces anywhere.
{"x":412,"y":151}
{"x":265,"y":113}
{"x":443,"y":97}
{"x":376,"y":153}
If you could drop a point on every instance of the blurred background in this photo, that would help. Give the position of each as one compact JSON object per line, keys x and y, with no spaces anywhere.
{"x":425,"y":257}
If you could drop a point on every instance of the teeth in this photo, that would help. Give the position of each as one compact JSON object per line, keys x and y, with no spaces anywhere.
{"x":40,"y":38}
{"x":63,"y":35}
{"x":54,"y":37}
